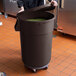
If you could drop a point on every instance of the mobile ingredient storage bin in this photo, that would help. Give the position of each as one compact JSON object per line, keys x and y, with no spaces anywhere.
{"x":36,"y":27}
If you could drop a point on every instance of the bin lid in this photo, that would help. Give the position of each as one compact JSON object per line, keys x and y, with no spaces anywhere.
{"x":42,"y":8}
{"x":47,"y":7}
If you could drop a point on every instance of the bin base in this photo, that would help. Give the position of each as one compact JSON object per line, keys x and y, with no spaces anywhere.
{"x":38,"y":68}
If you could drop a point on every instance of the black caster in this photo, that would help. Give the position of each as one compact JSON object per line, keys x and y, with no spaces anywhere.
{"x":34,"y":70}
{"x":45,"y":68}
{"x":63,"y":33}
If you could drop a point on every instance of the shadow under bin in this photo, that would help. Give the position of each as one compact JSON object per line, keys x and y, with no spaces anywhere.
{"x":36,"y":37}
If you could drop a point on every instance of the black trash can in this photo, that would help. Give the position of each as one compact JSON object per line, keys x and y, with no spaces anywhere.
{"x":36,"y":38}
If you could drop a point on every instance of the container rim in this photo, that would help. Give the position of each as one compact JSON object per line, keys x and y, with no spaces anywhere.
{"x":47,"y":20}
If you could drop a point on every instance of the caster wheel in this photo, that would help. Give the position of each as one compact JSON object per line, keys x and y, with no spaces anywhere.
{"x":6,"y":15}
{"x":34,"y":70}
{"x":64,"y":33}
{"x":46,"y":68}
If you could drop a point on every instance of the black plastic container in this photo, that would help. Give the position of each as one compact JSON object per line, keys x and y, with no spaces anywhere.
{"x":36,"y":38}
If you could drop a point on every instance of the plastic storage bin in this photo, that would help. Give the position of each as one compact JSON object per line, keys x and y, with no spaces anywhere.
{"x":36,"y":37}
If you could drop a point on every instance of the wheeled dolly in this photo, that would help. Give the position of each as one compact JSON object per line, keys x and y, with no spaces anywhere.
{"x":39,"y":68}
